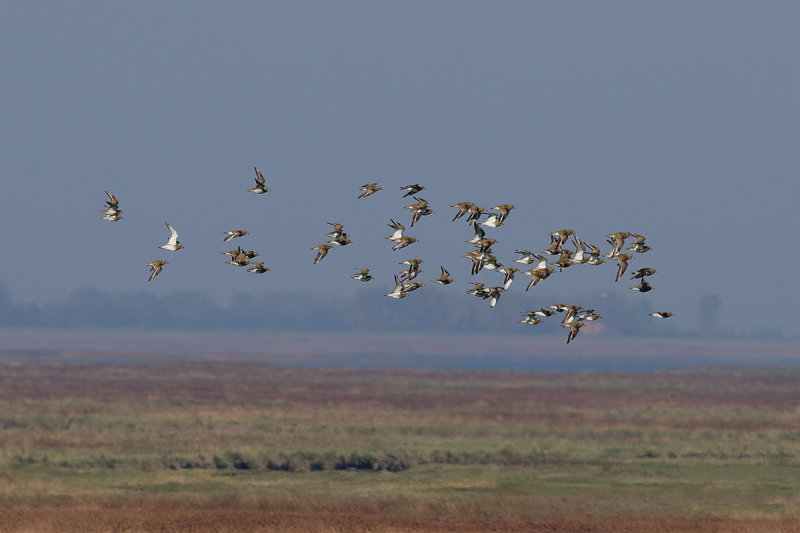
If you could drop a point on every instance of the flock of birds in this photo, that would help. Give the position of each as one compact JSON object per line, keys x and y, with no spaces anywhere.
{"x":481,"y":256}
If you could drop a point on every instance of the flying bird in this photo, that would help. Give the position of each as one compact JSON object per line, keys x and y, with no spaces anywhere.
{"x":444,"y":279}
{"x":492,"y":221}
{"x":337,"y":231}
{"x":155,"y":267}
{"x":479,"y":233}
{"x":112,"y":201}
{"x":362,"y":275}
{"x":580,"y":256}
{"x":594,"y":254}
{"x":239,"y":260}
{"x":537,"y":275}
{"x":341,"y":240}
{"x":117,"y":215}
{"x":493,"y":293}
{"x":643,"y":286}
{"x":412,"y":271}
{"x":408,"y":286}
{"x":475,"y":213}
{"x":398,"y":230}
{"x":642,"y":272}
{"x":509,"y":275}
{"x":403,"y":241}
{"x":543,"y":312}
{"x":249,"y":254}
{"x":478,"y":290}
{"x":462,"y":207}
{"x":574,"y":327}
{"x":258,"y":268}
{"x":526,"y":257}
{"x":565,"y":260}
{"x":639,"y":246}
{"x":622,"y":264}
{"x":172,"y":243}
{"x":617,"y":240}
{"x":504,"y":209}
{"x":587,"y":314}
{"x":530,"y":318}
{"x":419,"y":209}
{"x":322,"y":251}
{"x":260,"y":187}
{"x":411,"y":189}
{"x":398,"y":291}
{"x":561,"y":236}
{"x":571,"y":310}
{"x":234,"y":234}
{"x":111,"y":212}
{"x":661,"y":314}
{"x":369,"y":189}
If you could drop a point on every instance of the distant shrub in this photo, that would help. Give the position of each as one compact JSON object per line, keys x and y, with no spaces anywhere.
{"x":239,"y":463}
{"x":355,"y":461}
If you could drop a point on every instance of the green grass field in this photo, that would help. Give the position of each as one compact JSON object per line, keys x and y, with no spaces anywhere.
{"x":242,"y":446}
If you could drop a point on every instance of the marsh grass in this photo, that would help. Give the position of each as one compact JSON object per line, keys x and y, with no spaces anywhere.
{"x":469,"y":445}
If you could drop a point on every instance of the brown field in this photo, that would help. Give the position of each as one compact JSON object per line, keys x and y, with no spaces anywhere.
{"x":242,"y":446}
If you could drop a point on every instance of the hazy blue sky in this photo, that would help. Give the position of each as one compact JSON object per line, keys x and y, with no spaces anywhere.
{"x":678,"y":120}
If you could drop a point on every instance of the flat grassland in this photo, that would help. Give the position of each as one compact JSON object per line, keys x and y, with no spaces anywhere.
{"x":241,"y":446}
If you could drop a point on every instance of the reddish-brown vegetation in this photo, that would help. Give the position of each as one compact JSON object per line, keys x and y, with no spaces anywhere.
{"x":94,"y":447}
{"x":169,"y":516}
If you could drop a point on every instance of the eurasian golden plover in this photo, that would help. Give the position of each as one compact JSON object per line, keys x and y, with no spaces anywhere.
{"x":642,"y":272}
{"x":232,"y":234}
{"x":462,"y":207}
{"x":111,"y":212}
{"x":411,"y":189}
{"x":643,"y":286}
{"x":260,"y":187}
{"x":493,"y":294}
{"x":172,"y":243}
{"x":398,"y":292}
{"x":362,"y":275}
{"x":403,"y":241}
{"x":155,"y":267}
{"x":444,"y":279}
{"x":574,"y":327}
{"x":617,"y":240}
{"x":622,"y":264}
{"x":258,"y":268}
{"x":369,"y":189}
{"x":398,"y":230}
{"x":322,"y":251}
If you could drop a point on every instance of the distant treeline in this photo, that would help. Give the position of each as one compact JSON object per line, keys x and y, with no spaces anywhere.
{"x":366,"y":310}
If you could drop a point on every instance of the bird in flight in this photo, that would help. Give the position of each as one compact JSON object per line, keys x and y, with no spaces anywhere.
{"x":258,"y":268}
{"x":444,"y":279}
{"x":234,"y":234}
{"x":574,"y":327}
{"x":369,"y":189}
{"x":411,"y":189}
{"x":172,"y":243}
{"x":322,"y":251}
{"x":155,"y":267}
{"x":261,"y":186}
{"x":362,"y":275}
{"x":112,"y":212}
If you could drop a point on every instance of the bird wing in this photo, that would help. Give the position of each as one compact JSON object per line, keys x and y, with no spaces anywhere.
{"x":259,"y":176}
{"x":173,"y":235}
